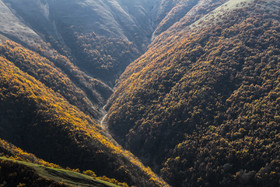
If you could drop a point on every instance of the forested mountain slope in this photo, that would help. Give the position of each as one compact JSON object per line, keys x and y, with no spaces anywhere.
{"x":101,"y":37}
{"x":201,"y":106}
{"x":44,"y":70}
{"x":59,"y":60}
{"x":98,"y":37}
{"x":41,"y":121}
{"x":92,"y":41}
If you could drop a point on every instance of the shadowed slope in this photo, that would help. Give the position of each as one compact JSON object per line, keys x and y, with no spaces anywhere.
{"x":198,"y":100}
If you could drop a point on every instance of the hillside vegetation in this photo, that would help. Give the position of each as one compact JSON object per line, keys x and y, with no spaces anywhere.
{"x":59,"y":62}
{"x":37,"y":175}
{"x":201,"y":106}
{"x":19,"y":167}
{"x":43,"y":122}
{"x":100,"y":37}
{"x":49,"y":74}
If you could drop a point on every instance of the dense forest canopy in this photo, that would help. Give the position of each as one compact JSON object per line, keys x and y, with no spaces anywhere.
{"x":139,"y":93}
{"x":201,"y":106}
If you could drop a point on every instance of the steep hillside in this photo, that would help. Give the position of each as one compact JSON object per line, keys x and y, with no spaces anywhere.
{"x":11,"y":26}
{"x":53,"y":86}
{"x":48,"y":73}
{"x":202,"y":104}
{"x":181,"y":13}
{"x":100,"y":37}
{"x":8,"y":150}
{"x":41,"y":121}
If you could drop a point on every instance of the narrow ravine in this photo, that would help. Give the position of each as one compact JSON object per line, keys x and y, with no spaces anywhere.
{"x":103,"y":120}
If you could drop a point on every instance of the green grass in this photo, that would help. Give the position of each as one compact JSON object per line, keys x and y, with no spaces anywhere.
{"x":68,"y":177}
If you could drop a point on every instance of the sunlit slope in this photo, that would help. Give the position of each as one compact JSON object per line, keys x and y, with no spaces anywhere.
{"x":41,"y":121}
{"x":201,"y":106}
{"x":15,"y":172}
{"x":11,"y":26}
{"x":53,"y":77}
{"x":18,"y":166}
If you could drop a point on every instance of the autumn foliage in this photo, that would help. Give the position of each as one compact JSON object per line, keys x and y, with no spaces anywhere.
{"x":38,"y":118}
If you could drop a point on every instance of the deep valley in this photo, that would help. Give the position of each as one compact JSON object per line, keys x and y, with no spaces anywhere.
{"x":140,"y":93}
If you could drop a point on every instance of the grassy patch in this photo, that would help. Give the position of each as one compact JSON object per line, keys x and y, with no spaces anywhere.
{"x":61,"y":175}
